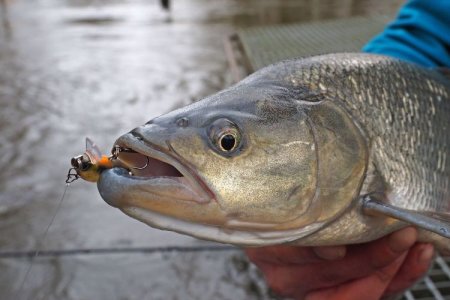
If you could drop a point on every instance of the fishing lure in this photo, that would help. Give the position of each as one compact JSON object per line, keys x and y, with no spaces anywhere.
{"x":92,"y":162}
{"x":89,"y":164}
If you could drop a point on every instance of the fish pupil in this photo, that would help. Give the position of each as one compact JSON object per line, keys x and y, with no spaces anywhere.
{"x":228,"y":142}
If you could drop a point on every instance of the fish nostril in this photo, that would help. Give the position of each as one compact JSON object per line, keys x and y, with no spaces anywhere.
{"x":137,"y":134}
{"x":182,"y":122}
{"x":135,"y":131}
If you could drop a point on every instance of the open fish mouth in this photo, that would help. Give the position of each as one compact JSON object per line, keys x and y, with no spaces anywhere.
{"x":142,"y":165}
{"x":150,"y":173}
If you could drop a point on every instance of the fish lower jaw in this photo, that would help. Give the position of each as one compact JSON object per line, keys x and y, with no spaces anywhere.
{"x":216,"y":233}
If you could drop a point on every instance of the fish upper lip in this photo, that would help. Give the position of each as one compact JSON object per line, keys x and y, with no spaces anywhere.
{"x":136,"y":142}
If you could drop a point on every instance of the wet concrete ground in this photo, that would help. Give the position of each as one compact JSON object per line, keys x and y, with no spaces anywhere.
{"x":76,"y":68}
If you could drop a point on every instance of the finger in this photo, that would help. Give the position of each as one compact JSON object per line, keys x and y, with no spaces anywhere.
{"x":371,"y":287}
{"x":360,"y":261}
{"x":396,"y":242}
{"x":414,"y":267}
{"x":285,"y":255}
{"x":367,"y":258}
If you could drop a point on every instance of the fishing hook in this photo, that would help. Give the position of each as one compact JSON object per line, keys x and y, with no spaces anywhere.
{"x":142,"y":168}
{"x":116,"y":151}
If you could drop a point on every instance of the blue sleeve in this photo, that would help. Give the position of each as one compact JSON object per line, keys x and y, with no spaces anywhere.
{"x":420,"y":34}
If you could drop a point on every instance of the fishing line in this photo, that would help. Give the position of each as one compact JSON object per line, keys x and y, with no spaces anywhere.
{"x":44,"y":236}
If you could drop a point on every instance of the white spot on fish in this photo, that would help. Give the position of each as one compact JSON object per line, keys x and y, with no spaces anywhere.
{"x":322,"y":87}
{"x":295,"y":143}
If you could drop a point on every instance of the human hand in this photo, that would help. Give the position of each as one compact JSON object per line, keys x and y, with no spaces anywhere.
{"x":368,"y":271}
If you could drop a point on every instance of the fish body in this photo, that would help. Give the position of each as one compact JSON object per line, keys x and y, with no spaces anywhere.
{"x":289,"y":154}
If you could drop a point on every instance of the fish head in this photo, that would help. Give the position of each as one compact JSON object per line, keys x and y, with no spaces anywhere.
{"x":239,"y":167}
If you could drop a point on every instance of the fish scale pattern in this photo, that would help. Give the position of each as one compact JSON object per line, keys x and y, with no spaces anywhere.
{"x":407,"y":131}
{"x":404,"y":111}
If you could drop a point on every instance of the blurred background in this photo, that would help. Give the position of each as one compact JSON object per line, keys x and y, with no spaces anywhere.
{"x":76,"y":68}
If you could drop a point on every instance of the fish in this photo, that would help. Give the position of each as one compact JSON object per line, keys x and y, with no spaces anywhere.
{"x":327,"y":150}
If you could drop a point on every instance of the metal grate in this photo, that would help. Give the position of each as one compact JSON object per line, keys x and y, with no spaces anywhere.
{"x":436,"y":285}
{"x":257,"y":47}
{"x":265,"y":45}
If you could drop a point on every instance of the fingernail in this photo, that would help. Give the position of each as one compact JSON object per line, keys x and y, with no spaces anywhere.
{"x":330,"y":252}
{"x":402,"y":240}
{"x":426,"y":254}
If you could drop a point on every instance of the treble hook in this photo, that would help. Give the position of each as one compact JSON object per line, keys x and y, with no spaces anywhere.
{"x":72,"y":175}
{"x":115,"y":151}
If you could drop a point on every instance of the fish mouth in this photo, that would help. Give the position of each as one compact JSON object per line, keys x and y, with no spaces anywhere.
{"x":146,"y":171}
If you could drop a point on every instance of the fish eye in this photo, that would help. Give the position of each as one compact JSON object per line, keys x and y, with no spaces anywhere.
{"x":225,"y":136}
{"x":227,"y":142}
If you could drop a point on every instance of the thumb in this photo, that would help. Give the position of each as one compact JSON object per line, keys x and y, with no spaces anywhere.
{"x":371,"y":287}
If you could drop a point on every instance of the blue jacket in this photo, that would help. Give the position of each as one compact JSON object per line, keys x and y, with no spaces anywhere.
{"x":420,"y":34}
